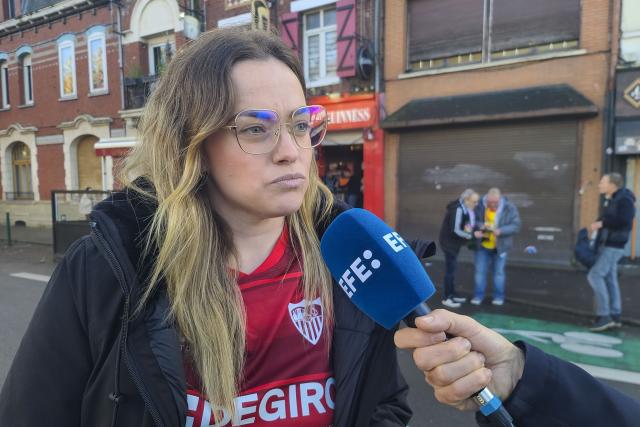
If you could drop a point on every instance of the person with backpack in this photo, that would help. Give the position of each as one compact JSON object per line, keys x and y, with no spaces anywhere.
{"x":613,"y":227}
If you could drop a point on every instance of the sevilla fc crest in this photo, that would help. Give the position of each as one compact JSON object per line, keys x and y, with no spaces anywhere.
{"x":309,"y":325}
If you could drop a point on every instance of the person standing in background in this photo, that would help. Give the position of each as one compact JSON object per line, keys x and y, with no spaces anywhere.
{"x":456,"y":230}
{"x":613,"y":227}
{"x":499,"y":220}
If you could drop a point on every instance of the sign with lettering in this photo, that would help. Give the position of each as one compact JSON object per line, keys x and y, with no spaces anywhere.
{"x":350,"y":114}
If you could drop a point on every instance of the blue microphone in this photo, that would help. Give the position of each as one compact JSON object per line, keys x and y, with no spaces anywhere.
{"x":382,"y":276}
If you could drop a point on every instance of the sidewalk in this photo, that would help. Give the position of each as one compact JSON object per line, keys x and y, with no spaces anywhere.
{"x":562,"y":290}
{"x":37,"y":235}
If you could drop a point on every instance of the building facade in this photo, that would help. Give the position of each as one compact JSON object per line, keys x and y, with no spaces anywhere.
{"x":75,"y":75}
{"x":627,"y":107}
{"x":498,"y":93}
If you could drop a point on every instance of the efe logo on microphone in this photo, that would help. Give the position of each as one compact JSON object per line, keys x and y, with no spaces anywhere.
{"x":358,"y":270}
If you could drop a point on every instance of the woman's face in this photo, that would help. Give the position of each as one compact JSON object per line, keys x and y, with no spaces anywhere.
{"x":472,"y":201}
{"x":256,"y":187}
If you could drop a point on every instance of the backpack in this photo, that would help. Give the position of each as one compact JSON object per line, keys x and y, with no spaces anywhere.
{"x":586,"y":250}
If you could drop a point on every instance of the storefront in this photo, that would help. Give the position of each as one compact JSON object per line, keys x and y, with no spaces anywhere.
{"x":525,"y":142}
{"x":350,"y":160}
{"x":627,"y":140}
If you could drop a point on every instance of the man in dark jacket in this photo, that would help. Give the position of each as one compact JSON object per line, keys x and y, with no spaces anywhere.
{"x":614,"y":227}
{"x":456,"y":230}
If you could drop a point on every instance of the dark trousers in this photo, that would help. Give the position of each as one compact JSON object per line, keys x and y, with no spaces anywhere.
{"x":450,"y":263}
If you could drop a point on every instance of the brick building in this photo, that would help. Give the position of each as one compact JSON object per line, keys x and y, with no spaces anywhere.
{"x":75,"y":75}
{"x":627,"y":107}
{"x":336,"y":41}
{"x":506,"y":93}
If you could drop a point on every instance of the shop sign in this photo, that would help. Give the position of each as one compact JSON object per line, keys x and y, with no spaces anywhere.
{"x":351,"y":115}
{"x":632,"y":94}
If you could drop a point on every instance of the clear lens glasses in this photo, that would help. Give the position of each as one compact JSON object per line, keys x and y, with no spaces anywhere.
{"x":258,"y":131}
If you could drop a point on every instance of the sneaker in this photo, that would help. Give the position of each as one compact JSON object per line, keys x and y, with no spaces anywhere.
{"x":449,"y":302}
{"x":458,"y":298}
{"x":476,"y":301}
{"x":616,"y":320}
{"x":602,"y":323}
{"x":497,"y":301}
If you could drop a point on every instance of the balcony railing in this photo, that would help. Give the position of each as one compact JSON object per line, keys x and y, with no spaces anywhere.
{"x":137,"y":90}
{"x":18,"y":195}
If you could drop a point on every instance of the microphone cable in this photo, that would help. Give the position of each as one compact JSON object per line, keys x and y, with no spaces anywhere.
{"x":490,"y":405}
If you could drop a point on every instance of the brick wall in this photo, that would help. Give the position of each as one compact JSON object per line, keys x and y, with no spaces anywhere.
{"x":50,"y":169}
{"x":48,"y":111}
{"x":587,"y":73}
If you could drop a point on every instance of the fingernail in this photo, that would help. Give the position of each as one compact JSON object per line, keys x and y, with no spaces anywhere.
{"x":428,"y":319}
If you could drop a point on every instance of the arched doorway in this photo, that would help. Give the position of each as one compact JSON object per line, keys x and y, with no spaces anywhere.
{"x":88,"y":164}
{"x":21,"y":170}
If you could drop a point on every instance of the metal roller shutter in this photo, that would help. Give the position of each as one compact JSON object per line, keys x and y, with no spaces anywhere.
{"x":532,"y":163}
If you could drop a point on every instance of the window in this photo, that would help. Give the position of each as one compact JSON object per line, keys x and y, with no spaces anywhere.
{"x":4,"y":85}
{"x":488,"y":30}
{"x":21,"y":166}
{"x":320,"y":50}
{"x":9,"y":8}
{"x":26,"y":79}
{"x":98,"y":81}
{"x":159,"y":56}
{"x":67,"y":68}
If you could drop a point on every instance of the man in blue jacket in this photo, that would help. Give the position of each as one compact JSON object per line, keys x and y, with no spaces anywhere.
{"x":498,"y":220}
{"x":614,"y":227}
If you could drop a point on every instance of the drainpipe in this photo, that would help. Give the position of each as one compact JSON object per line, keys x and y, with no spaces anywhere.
{"x":120,"y":57}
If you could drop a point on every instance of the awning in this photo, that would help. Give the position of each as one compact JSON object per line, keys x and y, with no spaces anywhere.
{"x":115,"y":147}
{"x":533,"y":102}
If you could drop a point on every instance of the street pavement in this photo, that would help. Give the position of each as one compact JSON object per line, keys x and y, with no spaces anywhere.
{"x":613,"y":356}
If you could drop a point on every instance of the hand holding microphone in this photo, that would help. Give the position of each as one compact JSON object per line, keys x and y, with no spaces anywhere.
{"x":476,"y":358}
{"x":381,"y":275}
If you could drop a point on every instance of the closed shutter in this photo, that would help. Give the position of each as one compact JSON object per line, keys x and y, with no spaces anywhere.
{"x":522,"y":23}
{"x":532,"y":163}
{"x":441,"y":28}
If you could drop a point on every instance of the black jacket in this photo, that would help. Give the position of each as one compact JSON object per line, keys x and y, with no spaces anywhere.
{"x":452,"y":231}
{"x":617,"y":218}
{"x":86,"y":360}
{"x":556,"y":393}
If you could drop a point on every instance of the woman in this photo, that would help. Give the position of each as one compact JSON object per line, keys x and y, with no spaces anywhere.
{"x":201,"y":298}
{"x":456,"y":230}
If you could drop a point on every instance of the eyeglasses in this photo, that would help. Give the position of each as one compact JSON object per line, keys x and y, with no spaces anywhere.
{"x":258,"y":131}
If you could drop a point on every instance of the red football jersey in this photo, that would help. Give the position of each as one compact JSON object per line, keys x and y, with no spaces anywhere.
{"x":287,"y":375}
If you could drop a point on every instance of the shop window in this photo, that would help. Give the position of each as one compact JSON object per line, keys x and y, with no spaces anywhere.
{"x":4,"y":85}
{"x":320,"y":48}
{"x":98,"y":82}
{"x":26,"y":79}
{"x":488,"y":30}
{"x":21,"y":168}
{"x":67,"y":69}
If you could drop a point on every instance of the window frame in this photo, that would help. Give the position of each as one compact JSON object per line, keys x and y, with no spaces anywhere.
{"x":4,"y":85}
{"x":27,"y":78}
{"x":153,"y":67}
{"x":93,"y":37}
{"x":324,"y":80}
{"x":66,"y":44}
{"x":488,"y":55}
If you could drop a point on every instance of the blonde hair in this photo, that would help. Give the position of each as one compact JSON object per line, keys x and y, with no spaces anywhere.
{"x":191,"y":244}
